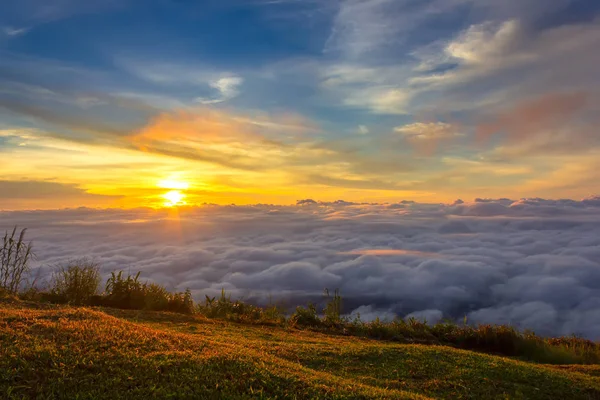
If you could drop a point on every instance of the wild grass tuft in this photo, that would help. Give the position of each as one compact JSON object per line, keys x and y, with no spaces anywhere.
{"x":75,"y":282}
{"x":15,"y":254}
{"x":130,"y":293}
{"x":238,"y":311}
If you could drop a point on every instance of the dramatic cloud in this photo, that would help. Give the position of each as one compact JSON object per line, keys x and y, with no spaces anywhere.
{"x":532,"y":263}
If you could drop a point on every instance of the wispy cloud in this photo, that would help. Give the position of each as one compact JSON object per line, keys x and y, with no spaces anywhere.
{"x":426,"y":137}
{"x":363,"y":130}
{"x":183,"y":75}
{"x":14,"y":32}
{"x":371,"y":27}
{"x":228,"y":88}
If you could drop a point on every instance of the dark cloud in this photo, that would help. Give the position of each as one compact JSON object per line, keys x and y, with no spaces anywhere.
{"x":533,"y":263}
{"x":78,"y":122}
{"x":40,"y":190}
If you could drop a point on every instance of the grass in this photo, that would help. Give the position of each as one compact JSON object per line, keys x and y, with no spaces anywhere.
{"x":60,"y":352}
{"x":497,"y":339}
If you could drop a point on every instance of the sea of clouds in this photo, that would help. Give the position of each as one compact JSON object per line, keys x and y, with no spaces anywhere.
{"x":532,"y":263}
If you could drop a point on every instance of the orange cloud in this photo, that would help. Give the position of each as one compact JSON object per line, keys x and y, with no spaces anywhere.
{"x":182,"y":126}
{"x":543,"y":115}
{"x":230,"y":140}
{"x":392,"y":252}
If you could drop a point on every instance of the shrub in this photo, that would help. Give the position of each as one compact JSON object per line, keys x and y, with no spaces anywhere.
{"x":274,"y":314}
{"x":306,"y":316}
{"x":15,"y":255}
{"x":129,"y":293}
{"x":5,"y":295}
{"x":156,"y":297}
{"x":239,"y":311}
{"x":224,"y":308}
{"x":124,"y":292}
{"x":75,"y":282}
{"x":181,"y":302}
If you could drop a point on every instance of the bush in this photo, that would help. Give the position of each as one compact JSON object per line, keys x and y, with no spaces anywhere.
{"x":224,"y":308}
{"x":181,"y":302}
{"x":306,"y":317}
{"x":15,"y":255}
{"x":121,"y":292}
{"x":239,"y":311}
{"x":129,"y":293}
{"x":75,"y":282}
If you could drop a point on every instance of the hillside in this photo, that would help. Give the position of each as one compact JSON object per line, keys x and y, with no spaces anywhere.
{"x":52,"y":352}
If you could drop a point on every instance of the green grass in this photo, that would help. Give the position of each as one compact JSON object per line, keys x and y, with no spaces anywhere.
{"x":55,"y":352}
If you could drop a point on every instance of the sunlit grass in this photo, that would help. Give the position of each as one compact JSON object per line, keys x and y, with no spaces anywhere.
{"x":61,"y":352}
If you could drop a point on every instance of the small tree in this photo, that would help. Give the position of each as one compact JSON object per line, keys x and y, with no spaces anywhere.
{"x":76,"y":281}
{"x":15,"y":255}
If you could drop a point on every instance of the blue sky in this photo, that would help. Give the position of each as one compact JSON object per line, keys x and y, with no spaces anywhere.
{"x":276,"y":100}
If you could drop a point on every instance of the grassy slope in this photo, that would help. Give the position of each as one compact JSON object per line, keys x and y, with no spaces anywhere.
{"x":60,"y":352}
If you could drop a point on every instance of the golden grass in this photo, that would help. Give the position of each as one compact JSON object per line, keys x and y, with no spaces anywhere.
{"x":61,"y":352}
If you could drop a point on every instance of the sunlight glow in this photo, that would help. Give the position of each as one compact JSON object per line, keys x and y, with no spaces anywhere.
{"x":173,"y":184}
{"x":174,"y":198}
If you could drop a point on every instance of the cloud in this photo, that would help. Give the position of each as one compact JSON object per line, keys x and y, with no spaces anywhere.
{"x":227,"y":87}
{"x":371,"y":27}
{"x":427,"y":136}
{"x":287,"y":141}
{"x":185,"y":74}
{"x":380,"y":100}
{"x":484,"y":43}
{"x":14,"y":32}
{"x":380,"y":90}
{"x":226,"y":139}
{"x":480,"y":63}
{"x":37,"y":12}
{"x":532,"y":263}
{"x":19,"y":193}
{"x":427,"y":131}
{"x":36,"y":189}
{"x":556,"y":122}
{"x":360,"y":27}
{"x":394,"y":57}
{"x":79,"y":122}
{"x":363,"y":130}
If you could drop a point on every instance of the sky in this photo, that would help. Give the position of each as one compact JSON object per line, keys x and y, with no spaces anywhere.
{"x":160,"y":102}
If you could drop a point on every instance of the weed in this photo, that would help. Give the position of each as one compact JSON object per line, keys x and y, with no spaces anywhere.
{"x":75,"y":282}
{"x":15,"y":255}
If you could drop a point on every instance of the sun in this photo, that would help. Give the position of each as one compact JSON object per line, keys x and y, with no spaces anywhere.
{"x":175,"y":195}
{"x":174,"y":198}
